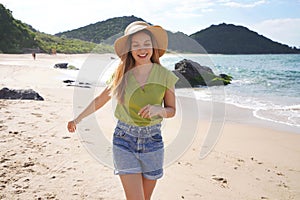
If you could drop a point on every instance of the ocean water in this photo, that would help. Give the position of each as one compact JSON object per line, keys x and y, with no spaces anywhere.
{"x":269,"y":85}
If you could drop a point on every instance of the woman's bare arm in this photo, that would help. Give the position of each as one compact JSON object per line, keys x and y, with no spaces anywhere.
{"x":96,"y":104}
{"x":169,"y":108}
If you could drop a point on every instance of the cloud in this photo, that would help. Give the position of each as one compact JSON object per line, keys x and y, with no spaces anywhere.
{"x":285,"y":30}
{"x":194,"y":5}
{"x":235,"y":4}
{"x":56,"y":15}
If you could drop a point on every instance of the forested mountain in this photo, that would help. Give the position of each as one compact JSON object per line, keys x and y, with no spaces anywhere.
{"x":180,"y":42}
{"x":109,"y":30}
{"x":100,"y":31}
{"x":232,"y":39}
{"x":18,"y":37}
{"x":14,"y":34}
{"x":219,"y":39}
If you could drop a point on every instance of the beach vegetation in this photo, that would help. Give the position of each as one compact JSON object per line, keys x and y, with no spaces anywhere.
{"x":72,"y":67}
{"x":18,"y":37}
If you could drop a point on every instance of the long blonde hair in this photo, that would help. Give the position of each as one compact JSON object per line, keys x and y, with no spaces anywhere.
{"x":127,"y":63}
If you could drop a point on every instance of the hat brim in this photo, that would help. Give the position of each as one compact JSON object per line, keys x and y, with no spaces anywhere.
{"x":160,"y":35}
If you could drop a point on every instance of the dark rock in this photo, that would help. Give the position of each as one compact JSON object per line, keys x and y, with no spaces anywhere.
{"x":192,"y":74}
{"x":28,"y":94}
{"x":78,"y":84}
{"x":68,"y":81}
{"x":83,"y":83}
{"x":61,"y":65}
{"x":81,"y":86}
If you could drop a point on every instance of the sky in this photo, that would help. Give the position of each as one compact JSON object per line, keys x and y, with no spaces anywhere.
{"x":278,"y":20}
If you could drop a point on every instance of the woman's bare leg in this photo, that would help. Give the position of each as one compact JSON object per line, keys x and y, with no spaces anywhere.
{"x":148,"y":186}
{"x":133,"y":186}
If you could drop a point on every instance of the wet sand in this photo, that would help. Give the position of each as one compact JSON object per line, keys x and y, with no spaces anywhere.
{"x":40,"y":160}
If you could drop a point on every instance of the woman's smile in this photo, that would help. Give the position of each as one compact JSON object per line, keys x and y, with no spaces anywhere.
{"x":141,"y":48}
{"x":142,"y":55}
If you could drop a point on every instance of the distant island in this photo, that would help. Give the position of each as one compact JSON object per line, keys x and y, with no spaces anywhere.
{"x":232,"y":39}
{"x":18,"y":37}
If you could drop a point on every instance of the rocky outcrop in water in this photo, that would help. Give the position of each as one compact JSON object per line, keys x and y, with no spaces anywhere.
{"x":192,"y":74}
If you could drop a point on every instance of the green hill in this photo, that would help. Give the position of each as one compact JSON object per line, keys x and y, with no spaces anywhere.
{"x":100,"y":31}
{"x":18,"y":37}
{"x":232,"y":39}
{"x":14,"y":34}
{"x":217,"y":39}
{"x":182,"y":43}
{"x":109,"y":30}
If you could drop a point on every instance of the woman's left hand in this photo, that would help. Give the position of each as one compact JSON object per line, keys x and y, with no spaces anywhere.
{"x":150,"y":111}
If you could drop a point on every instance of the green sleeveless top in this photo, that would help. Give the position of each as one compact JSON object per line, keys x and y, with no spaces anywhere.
{"x":159,"y":80}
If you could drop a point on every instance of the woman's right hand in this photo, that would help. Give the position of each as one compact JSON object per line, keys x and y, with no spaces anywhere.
{"x":71,"y":126}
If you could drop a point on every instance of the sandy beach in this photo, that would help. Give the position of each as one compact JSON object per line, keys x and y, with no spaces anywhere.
{"x":252,"y":159}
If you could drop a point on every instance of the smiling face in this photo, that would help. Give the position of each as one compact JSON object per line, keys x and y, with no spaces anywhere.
{"x":141,"y":48}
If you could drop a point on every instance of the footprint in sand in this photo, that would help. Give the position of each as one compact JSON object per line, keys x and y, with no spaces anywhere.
{"x":264,"y":198}
{"x":50,"y":196}
{"x":19,"y":191}
{"x":279,"y":174}
{"x":282,"y":184}
{"x":28,"y":164}
{"x":10,"y":118}
{"x":37,"y":114}
{"x":2,"y":187}
{"x":3,"y":160}
{"x":258,"y":162}
{"x":52,"y":113}
{"x":239,"y":163}
{"x":222,"y":181}
{"x":13,"y":132}
{"x":2,"y":127}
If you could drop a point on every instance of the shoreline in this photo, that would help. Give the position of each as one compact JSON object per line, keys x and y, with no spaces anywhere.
{"x":240,"y":115}
{"x":249,"y":160}
{"x":48,"y":61}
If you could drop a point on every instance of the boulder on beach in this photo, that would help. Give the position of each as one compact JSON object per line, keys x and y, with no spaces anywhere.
{"x":27,"y":94}
{"x":65,"y":66}
{"x":68,"y":81}
{"x":192,"y":74}
{"x":61,"y":65}
{"x":77,"y":84}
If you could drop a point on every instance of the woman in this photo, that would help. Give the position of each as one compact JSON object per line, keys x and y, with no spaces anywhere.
{"x":145,"y":93}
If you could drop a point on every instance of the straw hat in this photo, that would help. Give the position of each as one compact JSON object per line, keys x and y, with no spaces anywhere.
{"x":159,"y":34}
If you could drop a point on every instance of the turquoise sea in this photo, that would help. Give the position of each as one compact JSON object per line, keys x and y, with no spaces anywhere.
{"x":269,"y":85}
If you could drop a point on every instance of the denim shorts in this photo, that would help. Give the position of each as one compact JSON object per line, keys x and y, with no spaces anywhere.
{"x":138,"y":149}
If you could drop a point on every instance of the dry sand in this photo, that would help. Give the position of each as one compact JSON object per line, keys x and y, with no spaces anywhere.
{"x":40,"y":160}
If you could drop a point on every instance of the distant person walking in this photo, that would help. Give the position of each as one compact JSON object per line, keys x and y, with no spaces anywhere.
{"x":145,"y":93}
{"x":34,"y":55}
